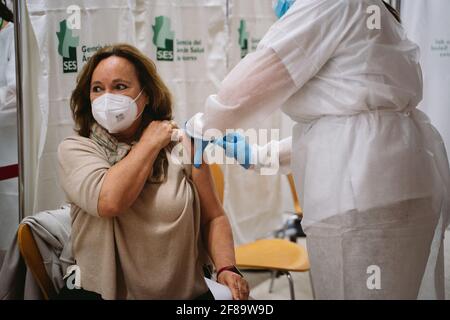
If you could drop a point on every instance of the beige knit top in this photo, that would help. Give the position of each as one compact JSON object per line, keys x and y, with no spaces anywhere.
{"x":151,"y":251}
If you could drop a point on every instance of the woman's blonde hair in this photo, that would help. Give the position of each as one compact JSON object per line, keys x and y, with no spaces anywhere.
{"x":158,"y":108}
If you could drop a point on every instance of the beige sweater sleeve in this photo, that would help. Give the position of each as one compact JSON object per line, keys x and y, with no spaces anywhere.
{"x":82,"y":168}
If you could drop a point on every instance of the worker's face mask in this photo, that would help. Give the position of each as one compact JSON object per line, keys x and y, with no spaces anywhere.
{"x":115,"y":112}
{"x":281,"y":6}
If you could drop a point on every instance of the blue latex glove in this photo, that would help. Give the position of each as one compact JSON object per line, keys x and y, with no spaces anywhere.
{"x":199,"y":147}
{"x":236,"y":146}
{"x":282,"y":6}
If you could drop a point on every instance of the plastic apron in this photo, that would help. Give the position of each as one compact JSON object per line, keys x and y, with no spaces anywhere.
{"x":379,"y":252}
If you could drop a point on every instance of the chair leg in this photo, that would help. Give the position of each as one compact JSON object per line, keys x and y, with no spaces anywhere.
{"x":300,"y":232}
{"x":291,"y":285}
{"x":312,"y":286}
{"x":272,"y":279}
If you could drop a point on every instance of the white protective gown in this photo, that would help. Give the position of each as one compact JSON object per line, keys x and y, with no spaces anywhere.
{"x":371,"y":171}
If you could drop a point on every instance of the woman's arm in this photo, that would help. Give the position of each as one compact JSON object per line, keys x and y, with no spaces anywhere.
{"x":124,"y":181}
{"x":217,"y":232}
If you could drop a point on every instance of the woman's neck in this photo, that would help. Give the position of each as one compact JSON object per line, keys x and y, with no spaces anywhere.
{"x":131,"y":134}
{"x":127,"y":138}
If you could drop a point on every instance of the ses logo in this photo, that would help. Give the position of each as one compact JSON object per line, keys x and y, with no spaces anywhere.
{"x":243,"y":38}
{"x":163,"y":39}
{"x":67,"y":47}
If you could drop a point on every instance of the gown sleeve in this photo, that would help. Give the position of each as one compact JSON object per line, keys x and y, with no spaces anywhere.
{"x":290,"y":54}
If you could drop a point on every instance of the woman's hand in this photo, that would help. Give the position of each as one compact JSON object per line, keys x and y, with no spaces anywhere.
{"x":159,"y":133}
{"x":237,"y":284}
{"x":125,"y":180}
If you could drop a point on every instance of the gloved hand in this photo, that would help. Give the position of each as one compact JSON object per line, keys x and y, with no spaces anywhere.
{"x":199,"y":147}
{"x":236,"y":146}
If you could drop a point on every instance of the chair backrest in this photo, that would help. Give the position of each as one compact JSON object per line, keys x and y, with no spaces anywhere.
{"x":33,"y":259}
{"x":219,"y":185}
{"x":297,"y":207}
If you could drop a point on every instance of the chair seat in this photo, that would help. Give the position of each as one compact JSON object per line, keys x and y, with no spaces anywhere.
{"x":33,"y":259}
{"x":276,"y":254}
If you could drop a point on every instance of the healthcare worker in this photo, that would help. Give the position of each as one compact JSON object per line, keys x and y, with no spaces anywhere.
{"x":371,"y":170}
{"x":9,"y":210}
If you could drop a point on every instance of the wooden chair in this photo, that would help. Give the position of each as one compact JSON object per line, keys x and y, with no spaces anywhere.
{"x":277,"y":255}
{"x":33,"y":259}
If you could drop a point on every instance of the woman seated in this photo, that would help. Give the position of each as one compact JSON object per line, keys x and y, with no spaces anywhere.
{"x":143,"y":225}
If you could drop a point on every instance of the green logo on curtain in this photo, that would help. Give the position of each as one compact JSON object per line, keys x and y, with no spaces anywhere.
{"x":243,"y":38}
{"x":163,"y":39}
{"x":67,"y":47}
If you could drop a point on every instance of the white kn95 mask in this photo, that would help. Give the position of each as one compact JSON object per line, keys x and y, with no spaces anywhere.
{"x":115,"y":112}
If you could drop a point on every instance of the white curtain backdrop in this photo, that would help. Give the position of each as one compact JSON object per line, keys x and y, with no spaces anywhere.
{"x":9,"y":205}
{"x":101,"y":23}
{"x":428,"y":24}
{"x":196,"y":64}
{"x":254,"y":203}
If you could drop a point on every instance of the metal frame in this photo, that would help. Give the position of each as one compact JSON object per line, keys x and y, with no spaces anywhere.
{"x":19,"y":102}
{"x":275,"y":273}
{"x":397,"y":4}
